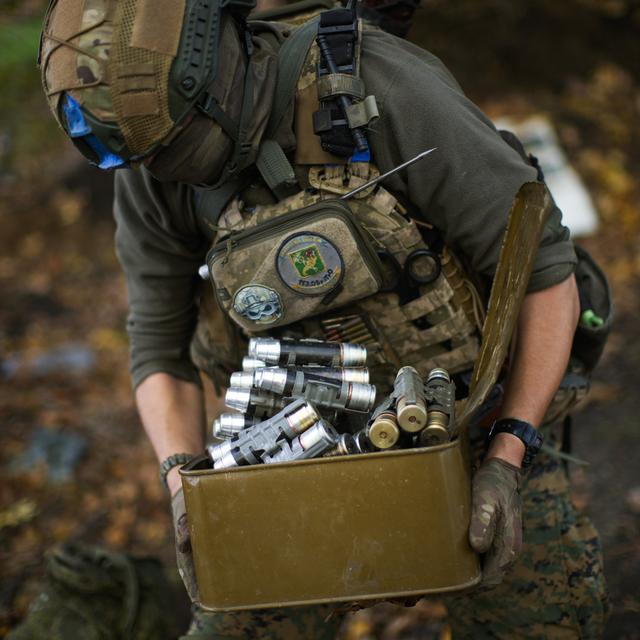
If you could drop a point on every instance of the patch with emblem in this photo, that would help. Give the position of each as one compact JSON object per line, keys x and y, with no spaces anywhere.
{"x":258,"y":303}
{"x":309,"y":264}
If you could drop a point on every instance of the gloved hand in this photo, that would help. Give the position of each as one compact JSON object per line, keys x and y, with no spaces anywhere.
{"x":496,"y":518}
{"x":183,"y":545}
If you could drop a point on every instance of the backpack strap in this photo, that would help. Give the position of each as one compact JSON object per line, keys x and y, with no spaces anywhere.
{"x":272,"y":163}
{"x":291,"y":59}
{"x":278,"y":173}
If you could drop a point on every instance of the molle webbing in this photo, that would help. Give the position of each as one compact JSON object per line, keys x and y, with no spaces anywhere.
{"x":437,"y":327}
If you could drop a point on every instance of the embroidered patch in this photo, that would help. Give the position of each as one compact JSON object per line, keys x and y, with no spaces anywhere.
{"x":309,"y":264}
{"x":258,"y":303}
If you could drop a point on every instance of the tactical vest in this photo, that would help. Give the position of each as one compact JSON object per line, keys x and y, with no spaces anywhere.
{"x":316,"y":266}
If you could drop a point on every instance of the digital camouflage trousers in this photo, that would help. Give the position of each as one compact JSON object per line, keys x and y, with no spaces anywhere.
{"x":556,"y":589}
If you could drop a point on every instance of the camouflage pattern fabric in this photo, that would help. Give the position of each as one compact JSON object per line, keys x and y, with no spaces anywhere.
{"x":496,"y":518}
{"x":556,"y":588}
{"x":294,"y":623}
{"x":95,"y":594}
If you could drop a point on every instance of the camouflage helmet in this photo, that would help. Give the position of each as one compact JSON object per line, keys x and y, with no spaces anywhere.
{"x":124,"y":77}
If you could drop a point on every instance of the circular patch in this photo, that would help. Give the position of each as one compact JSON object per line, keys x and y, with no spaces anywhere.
{"x":258,"y":304}
{"x":309,"y":264}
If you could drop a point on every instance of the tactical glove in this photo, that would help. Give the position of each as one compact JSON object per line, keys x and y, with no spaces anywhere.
{"x":496,"y":518}
{"x":183,"y":546}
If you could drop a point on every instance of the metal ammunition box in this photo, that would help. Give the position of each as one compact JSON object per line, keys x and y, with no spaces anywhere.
{"x":353,"y":528}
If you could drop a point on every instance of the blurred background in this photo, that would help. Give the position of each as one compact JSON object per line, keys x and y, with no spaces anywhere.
{"x":75,"y":464}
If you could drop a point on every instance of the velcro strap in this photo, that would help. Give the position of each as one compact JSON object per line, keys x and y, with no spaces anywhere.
{"x":137,"y":83}
{"x":360,"y":114}
{"x":336,"y":84}
{"x":140,"y":104}
{"x":135,"y":69}
{"x":158,"y":26}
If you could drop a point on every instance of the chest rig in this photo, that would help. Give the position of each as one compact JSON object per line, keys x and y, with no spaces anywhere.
{"x":360,"y":270}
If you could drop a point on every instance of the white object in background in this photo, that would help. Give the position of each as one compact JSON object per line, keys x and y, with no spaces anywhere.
{"x":539,"y":138}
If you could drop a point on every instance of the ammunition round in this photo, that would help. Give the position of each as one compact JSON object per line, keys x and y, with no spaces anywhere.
{"x":227,"y":425}
{"x":218,"y":451}
{"x":412,"y":417}
{"x":359,"y":375}
{"x":320,"y":433}
{"x":362,"y":443}
{"x":383,"y":433}
{"x":438,"y":373}
{"x":271,"y":379}
{"x":353,"y":355}
{"x":362,"y":397}
{"x":239,"y":399}
{"x":241,"y":380}
{"x":302,"y":418}
{"x":265,"y":349}
{"x":436,"y":430}
{"x":411,"y":407}
{"x":346,"y":446}
{"x":226,"y":462}
{"x":251,"y":364}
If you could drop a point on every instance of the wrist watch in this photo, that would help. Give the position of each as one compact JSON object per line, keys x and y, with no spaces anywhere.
{"x":530,"y":436}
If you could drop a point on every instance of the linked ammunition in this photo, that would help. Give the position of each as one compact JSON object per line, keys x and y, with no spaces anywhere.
{"x":322,"y":392}
{"x":301,"y":352}
{"x":253,"y":444}
{"x":411,"y":407}
{"x":310,"y":444}
{"x":246,"y":379}
{"x":441,"y":396}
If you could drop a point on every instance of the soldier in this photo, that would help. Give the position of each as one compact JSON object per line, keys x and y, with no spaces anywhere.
{"x":231,"y":125}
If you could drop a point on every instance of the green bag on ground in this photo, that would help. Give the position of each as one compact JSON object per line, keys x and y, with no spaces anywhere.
{"x":95,"y":594}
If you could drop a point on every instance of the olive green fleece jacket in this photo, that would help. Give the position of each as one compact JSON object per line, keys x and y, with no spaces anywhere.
{"x":465,"y":189}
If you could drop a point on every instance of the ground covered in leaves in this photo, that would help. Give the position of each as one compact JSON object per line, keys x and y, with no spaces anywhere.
{"x":75,"y":464}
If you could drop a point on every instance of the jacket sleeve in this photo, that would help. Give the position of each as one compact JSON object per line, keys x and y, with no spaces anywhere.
{"x":466,"y":187}
{"x":160,"y":249}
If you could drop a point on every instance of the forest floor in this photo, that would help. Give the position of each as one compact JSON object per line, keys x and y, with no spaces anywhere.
{"x":75,"y":464}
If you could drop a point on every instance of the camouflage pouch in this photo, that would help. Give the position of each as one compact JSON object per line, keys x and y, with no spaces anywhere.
{"x":95,"y":594}
{"x":294,"y":266}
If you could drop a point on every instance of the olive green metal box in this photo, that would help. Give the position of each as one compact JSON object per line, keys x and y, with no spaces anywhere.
{"x":353,"y":528}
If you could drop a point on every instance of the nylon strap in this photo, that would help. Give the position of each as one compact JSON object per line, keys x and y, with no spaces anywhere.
{"x":276,"y":170}
{"x":210,"y":204}
{"x":274,"y":167}
{"x":291,"y":59}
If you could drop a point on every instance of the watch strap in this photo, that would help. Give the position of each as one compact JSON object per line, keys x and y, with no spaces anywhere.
{"x":530,"y":436}
{"x":172,"y":461}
